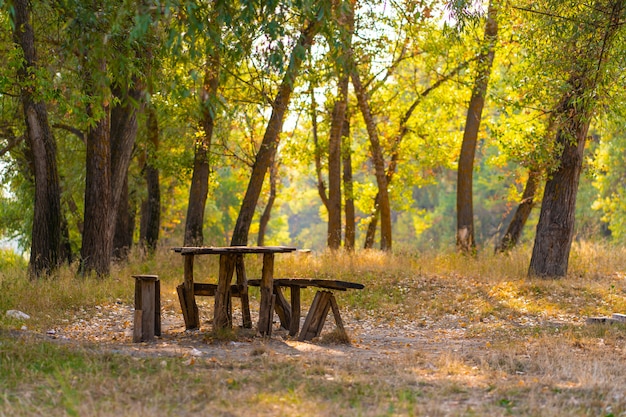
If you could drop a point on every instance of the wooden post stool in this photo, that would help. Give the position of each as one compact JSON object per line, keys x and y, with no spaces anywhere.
{"x":147,"y":319}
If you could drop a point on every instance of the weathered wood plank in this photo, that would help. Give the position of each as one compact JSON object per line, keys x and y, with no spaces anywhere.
{"x":242,"y":281}
{"x":180,"y":289}
{"x":137,"y":321}
{"x":267,"y":290}
{"x":222,"y":294}
{"x":282,"y":308}
{"x":147,"y":307}
{"x":193,"y":317}
{"x":208,"y":250}
{"x":294,"y":324}
{"x":316,"y":317}
{"x":312,"y":282}
{"x":157,"y":308}
{"x":338,"y":320}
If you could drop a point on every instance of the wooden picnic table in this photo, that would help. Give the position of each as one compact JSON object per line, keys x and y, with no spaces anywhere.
{"x":231,"y":260}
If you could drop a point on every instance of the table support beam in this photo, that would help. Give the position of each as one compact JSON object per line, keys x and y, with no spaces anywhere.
{"x":190,"y":313}
{"x":222,"y":318}
{"x":266,"y":311}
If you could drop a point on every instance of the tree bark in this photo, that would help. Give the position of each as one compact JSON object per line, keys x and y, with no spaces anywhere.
{"x":151,"y":207}
{"x":123,"y":136}
{"x":321,"y":187}
{"x":267,"y":212}
{"x":464,"y":201}
{"x":274,"y":127}
{"x":96,"y":250}
{"x":46,"y":232}
{"x":555,"y":229}
{"x":514,"y":230}
{"x":348,"y":188}
{"x":334,"y":165}
{"x":124,"y":226}
{"x":199,"y":190}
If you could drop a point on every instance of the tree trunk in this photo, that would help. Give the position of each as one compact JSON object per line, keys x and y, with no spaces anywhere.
{"x":151,"y":208}
{"x":124,"y":226}
{"x":321,"y":187}
{"x":123,"y":136}
{"x":46,"y":232}
{"x":348,"y":188}
{"x":378,"y":159}
{"x":334,"y":165}
{"x":199,"y":189}
{"x":514,"y":231}
{"x":403,"y":130}
{"x":269,"y":144}
{"x":267,"y":212}
{"x":464,"y":199}
{"x":96,"y":247}
{"x":555,"y":229}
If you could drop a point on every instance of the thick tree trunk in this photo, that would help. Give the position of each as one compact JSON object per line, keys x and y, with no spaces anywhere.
{"x":199,"y":189}
{"x":464,"y":200}
{"x":555,"y":229}
{"x":123,"y":136}
{"x":151,"y":207}
{"x":378,"y":159}
{"x":97,"y":248}
{"x":514,"y":231}
{"x":269,"y":144}
{"x":46,"y":232}
{"x":348,"y":188}
{"x":267,"y":212}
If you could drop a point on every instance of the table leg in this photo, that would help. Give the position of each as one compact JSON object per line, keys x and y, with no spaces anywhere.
{"x":192,"y":319}
{"x":294,"y":324}
{"x":267,"y":282}
{"x":222,"y":293}
{"x":242,"y":280}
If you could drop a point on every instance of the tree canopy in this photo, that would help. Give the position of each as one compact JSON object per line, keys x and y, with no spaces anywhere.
{"x":306,"y":122}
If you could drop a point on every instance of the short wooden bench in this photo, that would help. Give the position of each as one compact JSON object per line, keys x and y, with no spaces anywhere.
{"x":289,"y":313}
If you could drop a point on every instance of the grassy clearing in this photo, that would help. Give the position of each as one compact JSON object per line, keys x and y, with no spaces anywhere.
{"x":433,"y":334}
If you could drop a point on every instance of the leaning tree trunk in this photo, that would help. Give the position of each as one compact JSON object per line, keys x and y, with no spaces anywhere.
{"x":378,"y":159}
{"x":269,"y":144}
{"x":267,"y":212}
{"x":555,"y":229}
{"x":46,"y":248}
{"x":403,"y":130}
{"x":464,"y":199}
{"x":514,"y":231}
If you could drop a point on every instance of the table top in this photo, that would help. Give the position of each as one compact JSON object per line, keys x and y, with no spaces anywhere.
{"x":219,"y":250}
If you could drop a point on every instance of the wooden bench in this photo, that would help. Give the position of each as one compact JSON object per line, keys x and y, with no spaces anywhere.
{"x":289,"y":313}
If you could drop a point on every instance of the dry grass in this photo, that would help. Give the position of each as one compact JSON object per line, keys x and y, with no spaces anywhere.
{"x":432,"y":334}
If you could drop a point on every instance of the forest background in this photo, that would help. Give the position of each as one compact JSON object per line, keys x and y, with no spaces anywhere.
{"x":304,"y":122}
